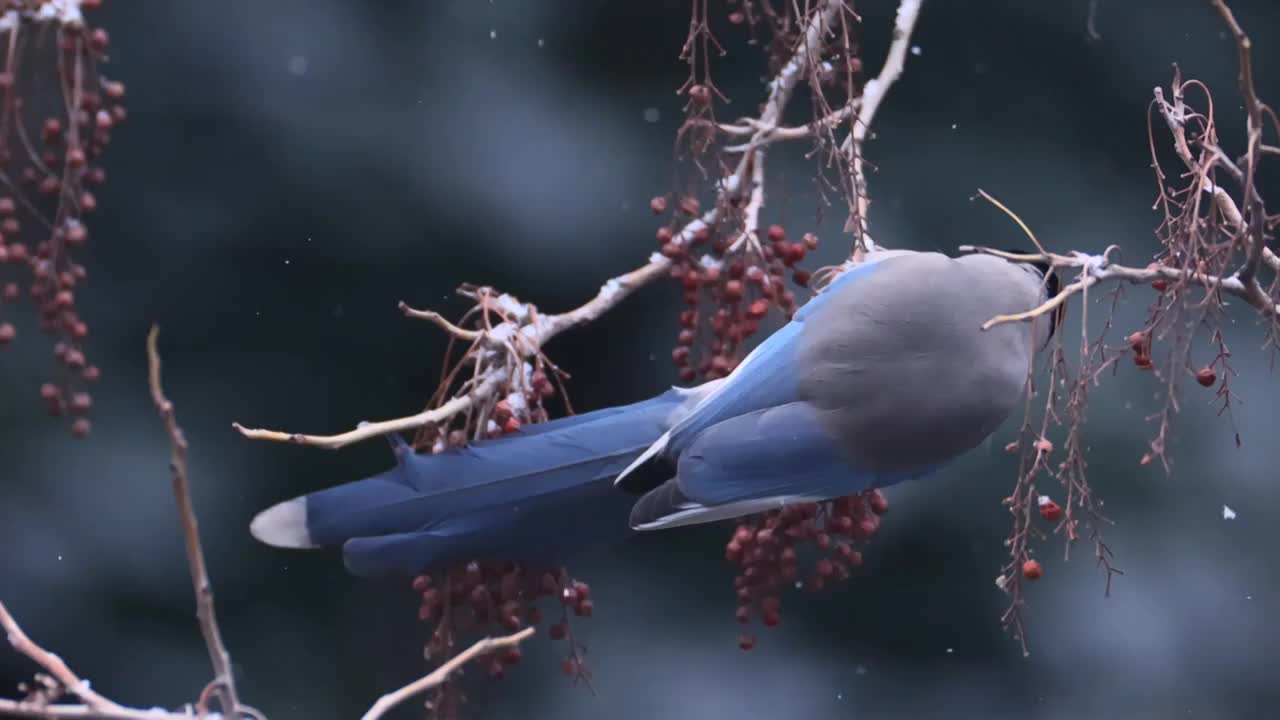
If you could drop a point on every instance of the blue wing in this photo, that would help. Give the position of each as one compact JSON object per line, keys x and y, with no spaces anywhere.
{"x":755,"y":462}
{"x":767,"y":377}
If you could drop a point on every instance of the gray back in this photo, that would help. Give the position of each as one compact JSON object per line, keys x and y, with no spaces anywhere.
{"x":899,"y":368}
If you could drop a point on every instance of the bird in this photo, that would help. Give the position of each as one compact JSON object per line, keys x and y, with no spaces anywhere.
{"x":885,"y":375}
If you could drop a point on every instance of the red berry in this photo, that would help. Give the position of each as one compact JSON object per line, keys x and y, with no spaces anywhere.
{"x":737,"y":18}
{"x":52,"y":130}
{"x":664,"y":235}
{"x":569,"y":666}
{"x":746,"y":641}
{"x":720,"y":365}
{"x":777,"y":234}
{"x":700,"y":94}
{"x":658,"y":204}
{"x":1031,"y":570}
{"x":878,"y":502}
{"x":7,"y":333}
{"x":801,"y":278}
{"x":501,"y":411}
{"x":1160,"y":284}
{"x":810,"y":241}
{"x":81,"y":427}
{"x":1142,"y":361}
{"x":1206,"y":376}
{"x":511,"y":425}
{"x":557,"y":631}
{"x":733,"y":290}
{"x":1050,"y":510}
{"x":81,"y":402}
{"x":689,"y":206}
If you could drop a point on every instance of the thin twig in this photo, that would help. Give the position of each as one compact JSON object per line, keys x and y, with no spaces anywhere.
{"x":750,"y":126}
{"x":41,"y":711}
{"x":440,"y":674}
{"x":1254,"y":109}
{"x":441,"y":322}
{"x":54,"y":665}
{"x":873,"y":93}
{"x":224,"y":678}
{"x":1102,"y":269}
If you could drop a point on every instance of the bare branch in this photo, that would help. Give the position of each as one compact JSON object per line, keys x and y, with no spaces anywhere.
{"x":54,"y":665}
{"x":872,"y":95}
{"x":440,"y":322}
{"x":440,"y":674}
{"x":224,"y":683}
{"x":750,"y":126}
{"x":1255,"y":109}
{"x":24,"y":709}
{"x":524,"y":337}
{"x":1101,"y":269}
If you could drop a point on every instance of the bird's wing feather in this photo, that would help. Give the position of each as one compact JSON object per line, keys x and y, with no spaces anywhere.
{"x":758,"y":461}
{"x":766,"y":378}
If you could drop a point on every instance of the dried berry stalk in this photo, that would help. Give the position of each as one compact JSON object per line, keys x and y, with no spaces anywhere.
{"x":57,"y":112}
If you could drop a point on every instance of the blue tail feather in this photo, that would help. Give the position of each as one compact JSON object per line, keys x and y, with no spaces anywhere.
{"x":543,"y":491}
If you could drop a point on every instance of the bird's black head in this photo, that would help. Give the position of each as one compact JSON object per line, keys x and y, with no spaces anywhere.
{"x":1052,"y":285}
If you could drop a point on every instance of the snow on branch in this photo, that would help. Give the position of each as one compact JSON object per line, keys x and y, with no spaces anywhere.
{"x":500,"y":349}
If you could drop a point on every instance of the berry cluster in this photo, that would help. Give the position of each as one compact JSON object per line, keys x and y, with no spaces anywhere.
{"x":518,"y":407}
{"x":1140,"y":343}
{"x":42,"y":215}
{"x":482,"y":597}
{"x":729,"y":290}
{"x":766,"y":551}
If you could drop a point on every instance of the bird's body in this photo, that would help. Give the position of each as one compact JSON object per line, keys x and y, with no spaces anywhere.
{"x":884,"y":376}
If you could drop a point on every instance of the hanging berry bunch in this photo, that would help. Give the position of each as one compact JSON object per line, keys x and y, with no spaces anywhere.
{"x":479,"y":598}
{"x":469,"y":599}
{"x":767,"y":551}
{"x":729,"y":288}
{"x":57,"y":112}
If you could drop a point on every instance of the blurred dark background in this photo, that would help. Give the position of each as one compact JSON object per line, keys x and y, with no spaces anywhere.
{"x":292,"y":169}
